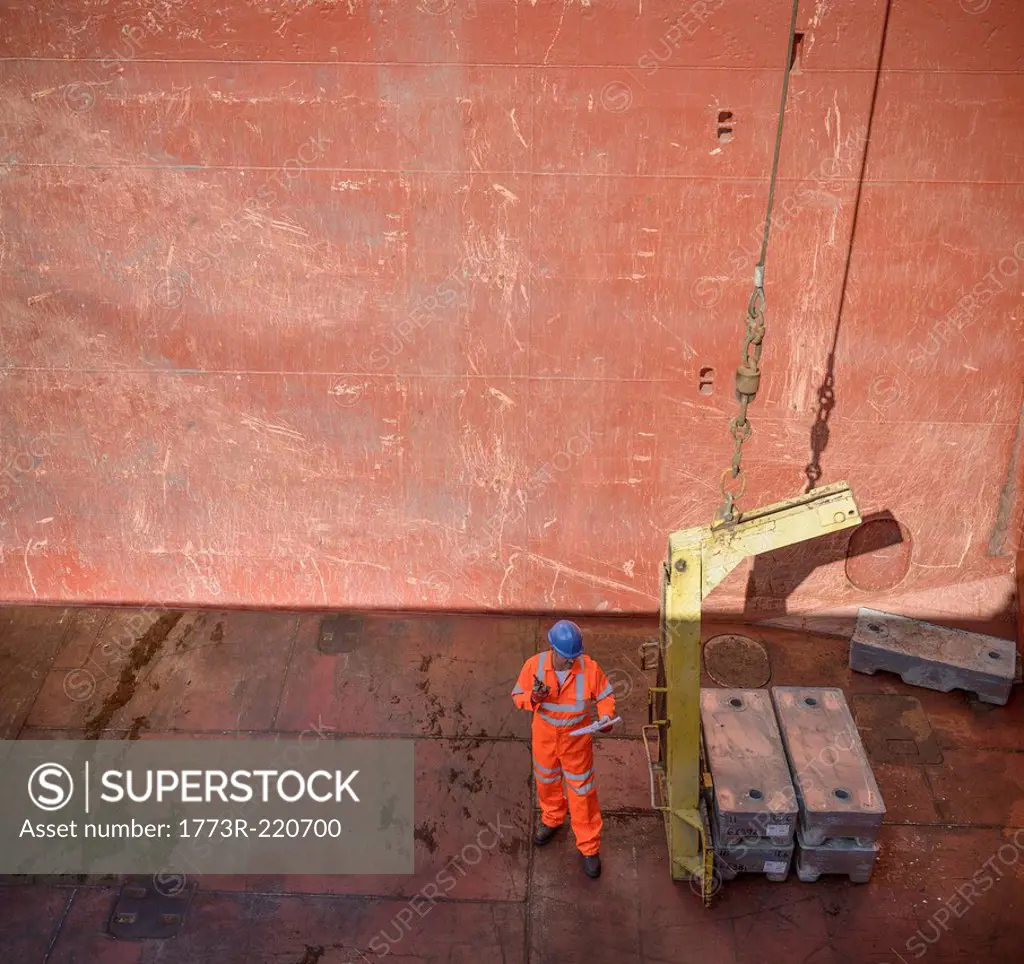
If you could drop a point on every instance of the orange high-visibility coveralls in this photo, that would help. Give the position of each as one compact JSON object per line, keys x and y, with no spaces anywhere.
{"x":555,"y":753}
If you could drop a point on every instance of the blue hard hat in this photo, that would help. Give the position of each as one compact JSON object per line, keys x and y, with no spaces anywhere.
{"x":566,"y":639}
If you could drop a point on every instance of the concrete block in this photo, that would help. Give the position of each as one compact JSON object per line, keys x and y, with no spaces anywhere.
{"x":836,"y":856}
{"x":934,"y":657}
{"x":754,"y":794}
{"x":835,"y":786}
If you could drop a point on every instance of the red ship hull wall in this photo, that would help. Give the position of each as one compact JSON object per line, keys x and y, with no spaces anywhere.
{"x":378,"y":305}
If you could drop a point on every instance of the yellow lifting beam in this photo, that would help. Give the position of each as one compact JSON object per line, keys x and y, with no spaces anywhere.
{"x":698,"y":560}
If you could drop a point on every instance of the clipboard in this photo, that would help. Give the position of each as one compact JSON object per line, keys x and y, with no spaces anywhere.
{"x":594,"y":727}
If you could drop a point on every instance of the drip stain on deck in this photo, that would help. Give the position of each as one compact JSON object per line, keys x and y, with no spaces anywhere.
{"x":141,"y":655}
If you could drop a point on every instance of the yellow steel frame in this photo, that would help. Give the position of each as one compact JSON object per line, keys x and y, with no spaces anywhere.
{"x":698,"y":560}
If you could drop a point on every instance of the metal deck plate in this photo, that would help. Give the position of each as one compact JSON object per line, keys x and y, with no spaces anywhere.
{"x":340,"y":634}
{"x":734,"y":660}
{"x":895,"y":729}
{"x":835,"y":785}
{"x":151,"y":908}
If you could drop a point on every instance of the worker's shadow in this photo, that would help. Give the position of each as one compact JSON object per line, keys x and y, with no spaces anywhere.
{"x":776,"y":575}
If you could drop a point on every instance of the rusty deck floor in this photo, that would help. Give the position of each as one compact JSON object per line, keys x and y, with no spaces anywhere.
{"x":953,"y":783}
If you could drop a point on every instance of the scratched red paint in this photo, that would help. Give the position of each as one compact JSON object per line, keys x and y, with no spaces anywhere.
{"x":385,"y":305}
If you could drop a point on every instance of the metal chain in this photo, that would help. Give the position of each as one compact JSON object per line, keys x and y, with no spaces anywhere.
{"x":748,"y":375}
{"x":819,"y":431}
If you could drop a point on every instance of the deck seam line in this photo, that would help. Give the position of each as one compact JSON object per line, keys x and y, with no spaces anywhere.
{"x":292,"y":645}
{"x":60,"y":925}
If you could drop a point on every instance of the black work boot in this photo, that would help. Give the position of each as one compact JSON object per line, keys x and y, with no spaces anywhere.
{"x":592,"y":865}
{"x":544,"y":834}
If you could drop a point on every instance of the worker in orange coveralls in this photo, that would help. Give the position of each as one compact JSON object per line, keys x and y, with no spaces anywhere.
{"x":558,"y":686}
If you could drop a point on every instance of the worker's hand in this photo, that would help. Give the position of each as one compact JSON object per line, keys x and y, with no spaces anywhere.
{"x":605,"y":729}
{"x":539,"y":695}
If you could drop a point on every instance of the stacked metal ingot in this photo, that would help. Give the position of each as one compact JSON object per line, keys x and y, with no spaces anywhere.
{"x":754,"y":811}
{"x":933,"y":656}
{"x":841,"y":808}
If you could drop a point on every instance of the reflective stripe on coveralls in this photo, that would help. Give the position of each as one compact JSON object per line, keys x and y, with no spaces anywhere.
{"x":541,"y":779}
{"x":572,"y":721}
{"x":578,"y":776}
{"x":546,"y":775}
